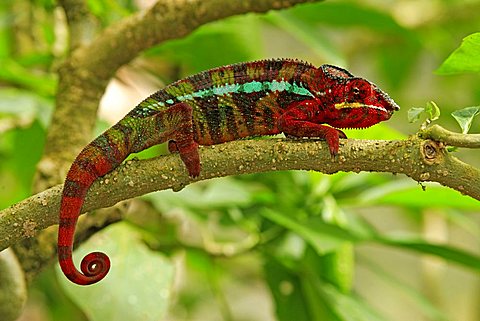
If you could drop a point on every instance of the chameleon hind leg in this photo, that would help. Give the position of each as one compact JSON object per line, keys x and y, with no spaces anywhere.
{"x":178,"y":120}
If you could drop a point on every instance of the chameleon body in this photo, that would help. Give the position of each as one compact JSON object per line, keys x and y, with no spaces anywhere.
{"x":263,"y":97}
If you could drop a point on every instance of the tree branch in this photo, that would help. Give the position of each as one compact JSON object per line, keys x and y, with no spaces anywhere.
{"x":81,"y":24}
{"x":422,"y":160}
{"x":440,"y":134}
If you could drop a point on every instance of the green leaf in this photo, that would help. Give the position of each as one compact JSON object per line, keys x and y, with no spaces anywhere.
{"x":14,"y":73}
{"x":286,"y":290}
{"x":323,"y":237}
{"x":347,"y":307}
{"x":406,"y":193}
{"x":463,"y":59}
{"x":414,"y":114}
{"x":448,"y":253}
{"x":338,"y":267}
{"x":327,"y":300}
{"x":431,"y":111}
{"x":464,"y":117}
{"x":138,"y":285}
{"x":319,"y":306}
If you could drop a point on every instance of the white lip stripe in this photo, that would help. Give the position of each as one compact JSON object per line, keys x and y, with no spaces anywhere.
{"x":377,"y":107}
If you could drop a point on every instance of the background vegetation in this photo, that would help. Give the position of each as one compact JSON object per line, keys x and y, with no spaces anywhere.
{"x":274,"y":246}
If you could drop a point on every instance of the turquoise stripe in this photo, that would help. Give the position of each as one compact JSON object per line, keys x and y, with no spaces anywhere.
{"x":247,"y":88}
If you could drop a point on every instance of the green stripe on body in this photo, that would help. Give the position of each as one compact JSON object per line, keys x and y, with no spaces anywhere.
{"x":248,"y":88}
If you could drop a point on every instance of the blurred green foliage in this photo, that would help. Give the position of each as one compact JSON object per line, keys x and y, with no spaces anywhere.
{"x":281,"y":245}
{"x":463,"y":59}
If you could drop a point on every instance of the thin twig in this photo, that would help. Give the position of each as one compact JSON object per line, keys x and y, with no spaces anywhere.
{"x":441,"y":134}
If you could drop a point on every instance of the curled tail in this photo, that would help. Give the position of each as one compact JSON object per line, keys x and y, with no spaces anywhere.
{"x":98,"y":158}
{"x":140,"y":129}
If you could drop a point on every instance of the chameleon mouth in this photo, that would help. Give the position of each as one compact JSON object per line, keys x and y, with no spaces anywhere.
{"x":359,"y":105}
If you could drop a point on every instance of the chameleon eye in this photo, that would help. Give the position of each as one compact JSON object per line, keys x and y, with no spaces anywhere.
{"x":357,"y":92}
{"x":358,"y":89}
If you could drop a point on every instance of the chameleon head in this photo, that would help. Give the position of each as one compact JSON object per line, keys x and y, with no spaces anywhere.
{"x":353,"y":102}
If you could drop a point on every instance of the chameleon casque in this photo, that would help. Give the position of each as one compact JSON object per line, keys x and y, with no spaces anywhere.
{"x":222,"y":104}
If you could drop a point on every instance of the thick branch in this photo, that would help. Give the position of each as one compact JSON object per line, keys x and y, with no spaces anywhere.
{"x":422,"y":160}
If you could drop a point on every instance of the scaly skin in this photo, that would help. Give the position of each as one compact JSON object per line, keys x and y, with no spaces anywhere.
{"x":215,"y":106}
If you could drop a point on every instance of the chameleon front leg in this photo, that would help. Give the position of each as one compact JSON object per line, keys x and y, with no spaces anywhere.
{"x":302,"y":119}
{"x":178,"y":119}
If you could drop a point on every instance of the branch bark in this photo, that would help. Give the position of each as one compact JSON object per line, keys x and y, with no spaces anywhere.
{"x":422,"y":160}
